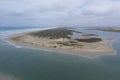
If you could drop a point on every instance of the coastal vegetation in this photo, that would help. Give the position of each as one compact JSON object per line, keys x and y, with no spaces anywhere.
{"x":64,"y":33}
{"x":70,"y":43}
{"x":53,"y":33}
{"x":90,"y":40}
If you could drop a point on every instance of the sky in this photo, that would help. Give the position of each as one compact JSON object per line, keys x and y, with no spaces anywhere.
{"x":60,"y":13}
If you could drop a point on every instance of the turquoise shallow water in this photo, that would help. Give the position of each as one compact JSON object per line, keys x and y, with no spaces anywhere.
{"x":29,"y":64}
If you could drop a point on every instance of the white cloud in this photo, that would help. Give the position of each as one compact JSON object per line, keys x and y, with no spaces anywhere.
{"x":102,"y":7}
{"x":59,"y":12}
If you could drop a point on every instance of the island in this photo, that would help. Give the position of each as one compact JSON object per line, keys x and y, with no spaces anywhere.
{"x":64,"y":40}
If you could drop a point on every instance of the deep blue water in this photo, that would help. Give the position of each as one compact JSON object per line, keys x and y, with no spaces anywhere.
{"x":30,"y":64}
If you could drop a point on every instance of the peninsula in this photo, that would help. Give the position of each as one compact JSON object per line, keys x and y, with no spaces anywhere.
{"x":64,"y":40}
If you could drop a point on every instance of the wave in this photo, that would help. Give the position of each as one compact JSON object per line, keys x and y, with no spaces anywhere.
{"x":12,"y":44}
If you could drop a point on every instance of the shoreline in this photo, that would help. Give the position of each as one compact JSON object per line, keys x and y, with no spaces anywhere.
{"x":50,"y":50}
{"x":86,"y":54}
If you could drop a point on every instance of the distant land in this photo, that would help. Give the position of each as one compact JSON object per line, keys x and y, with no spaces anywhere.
{"x":109,"y":29}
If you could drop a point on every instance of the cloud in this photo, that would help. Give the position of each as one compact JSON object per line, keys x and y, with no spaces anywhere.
{"x":102,"y":7}
{"x":59,"y":12}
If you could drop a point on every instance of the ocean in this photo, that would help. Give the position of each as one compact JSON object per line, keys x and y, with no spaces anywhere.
{"x":21,"y":63}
